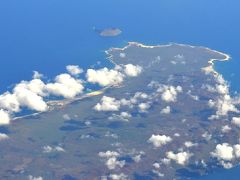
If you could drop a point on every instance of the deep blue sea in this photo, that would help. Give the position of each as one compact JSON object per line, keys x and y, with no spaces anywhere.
{"x":47,"y":35}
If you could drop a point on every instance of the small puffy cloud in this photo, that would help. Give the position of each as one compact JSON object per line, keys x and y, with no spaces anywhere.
{"x":169,"y":93}
{"x":74,"y":70}
{"x":65,"y":86}
{"x":111,"y":159}
{"x":113,"y":162}
{"x":4,"y":117}
{"x":132,"y":70}
{"x":36,"y":86}
{"x":108,"y":154}
{"x":189,"y":144}
{"x":30,"y":99}
{"x":124,"y":116}
{"x":108,"y":104}
{"x":143,"y":107}
{"x":3,"y":136}
{"x":104,"y":76}
{"x":37,"y":75}
{"x":49,"y":149}
{"x":9,"y":102}
{"x":66,"y":117}
{"x":166,"y":110}
{"x":30,"y":177}
{"x":120,"y":176}
{"x":226,"y":129}
{"x":181,"y":158}
{"x":122,"y":55}
{"x":237,"y":150}
{"x":223,"y":152}
{"x":236,"y":121}
{"x":224,"y":105}
{"x":159,"y":140}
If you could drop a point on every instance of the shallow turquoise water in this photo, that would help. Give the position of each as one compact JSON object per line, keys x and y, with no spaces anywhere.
{"x":47,"y":35}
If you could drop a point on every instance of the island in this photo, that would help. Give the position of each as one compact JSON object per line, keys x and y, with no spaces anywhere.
{"x":108,"y":32}
{"x":176,"y":120}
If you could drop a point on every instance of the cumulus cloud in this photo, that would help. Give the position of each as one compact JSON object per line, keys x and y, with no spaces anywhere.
{"x":9,"y":102}
{"x":226,"y":129}
{"x":132,"y":70}
{"x":181,"y":158}
{"x":37,"y":75}
{"x":111,"y":159}
{"x":189,"y":144}
{"x":120,"y":176}
{"x":30,"y":177}
{"x":223,"y":104}
{"x":108,"y":104}
{"x":236,"y":121}
{"x":166,"y":110}
{"x":143,"y":107}
{"x":29,"y":99}
{"x":36,"y":86}
{"x":223,"y":152}
{"x":3,"y":136}
{"x":65,"y":86}
{"x":74,"y":70}
{"x":169,"y":93}
{"x":49,"y":149}
{"x":123,"y":116}
{"x":104,"y":76}
{"x":159,"y":140}
{"x":122,"y":55}
{"x":4,"y":117}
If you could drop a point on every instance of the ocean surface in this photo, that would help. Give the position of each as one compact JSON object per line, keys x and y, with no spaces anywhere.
{"x":47,"y":35}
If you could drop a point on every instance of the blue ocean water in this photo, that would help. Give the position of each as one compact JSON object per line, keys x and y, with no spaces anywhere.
{"x":47,"y":35}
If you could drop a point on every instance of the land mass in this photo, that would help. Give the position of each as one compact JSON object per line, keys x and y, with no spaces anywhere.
{"x":168,"y":100}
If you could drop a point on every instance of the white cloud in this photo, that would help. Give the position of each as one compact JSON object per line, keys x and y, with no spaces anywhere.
{"x":29,"y":99}
{"x":37,"y":75}
{"x":181,"y":158}
{"x":9,"y":102}
{"x":237,"y":150}
{"x":143,"y":107}
{"x":65,"y":86}
{"x":120,"y":176}
{"x":108,"y":154}
{"x":159,"y":140}
{"x":4,"y":117}
{"x":226,"y":129}
{"x":104,"y":76}
{"x":108,"y":104}
{"x":111,"y":159}
{"x":66,"y":117}
{"x":122,"y":55}
{"x":74,"y":70}
{"x":49,"y":149}
{"x":3,"y":136}
{"x":236,"y":121}
{"x":36,"y":86}
{"x":132,"y":70}
{"x":124,"y":116}
{"x":189,"y":144}
{"x":169,"y":93}
{"x":166,"y":110}
{"x":223,"y":152}
{"x":30,"y":177}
